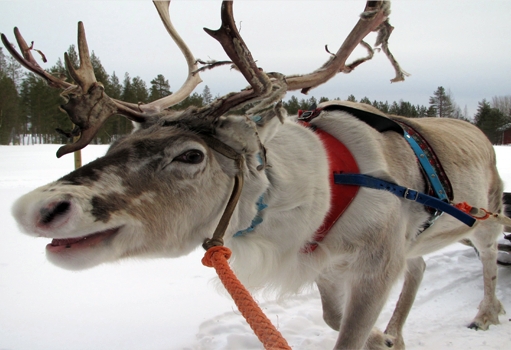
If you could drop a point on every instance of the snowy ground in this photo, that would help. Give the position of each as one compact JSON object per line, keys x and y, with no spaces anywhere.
{"x":172,"y":304}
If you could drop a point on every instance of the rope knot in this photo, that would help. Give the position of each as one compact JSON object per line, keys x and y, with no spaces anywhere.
{"x":208,"y":258}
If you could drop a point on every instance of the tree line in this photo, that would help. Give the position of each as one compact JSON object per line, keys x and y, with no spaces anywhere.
{"x":29,"y":108}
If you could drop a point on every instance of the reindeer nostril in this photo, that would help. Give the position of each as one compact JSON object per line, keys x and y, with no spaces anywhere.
{"x":49,"y":214}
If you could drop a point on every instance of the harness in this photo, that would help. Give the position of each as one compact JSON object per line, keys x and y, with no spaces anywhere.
{"x":340,"y":160}
{"x":345,"y":179}
{"x":438,"y":187}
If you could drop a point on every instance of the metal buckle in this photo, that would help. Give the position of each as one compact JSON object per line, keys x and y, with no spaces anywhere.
{"x":305,"y":115}
{"x":407,"y":191}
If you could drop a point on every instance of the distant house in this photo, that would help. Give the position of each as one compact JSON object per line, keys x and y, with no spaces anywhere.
{"x":505,"y":131}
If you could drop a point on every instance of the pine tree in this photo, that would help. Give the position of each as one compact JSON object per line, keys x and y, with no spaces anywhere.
{"x":489,"y":120}
{"x":41,"y":107}
{"x":159,"y":88}
{"x":3,"y":62}
{"x":394,"y":108}
{"x":9,"y":110}
{"x":99,"y":70}
{"x":114,"y":87}
{"x":351,"y":98}
{"x":112,"y":127}
{"x":441,"y":103}
{"x":422,"y":111}
{"x":292,"y":106}
{"x":365,"y":100}
{"x":14,"y":71}
{"x":382,"y":106}
{"x":140,"y":90}
{"x":122,"y":126}
{"x":194,"y":99}
{"x":59,"y":70}
{"x":207,"y":98}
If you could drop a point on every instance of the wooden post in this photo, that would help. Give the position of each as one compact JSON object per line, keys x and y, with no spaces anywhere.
{"x":78,"y":155}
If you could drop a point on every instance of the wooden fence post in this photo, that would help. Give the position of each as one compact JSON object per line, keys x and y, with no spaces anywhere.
{"x":78,"y":155}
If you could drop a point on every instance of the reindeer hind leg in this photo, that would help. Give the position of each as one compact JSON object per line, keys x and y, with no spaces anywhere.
{"x":484,"y":240}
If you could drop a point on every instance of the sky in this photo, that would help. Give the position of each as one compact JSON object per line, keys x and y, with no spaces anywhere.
{"x":458,"y":44}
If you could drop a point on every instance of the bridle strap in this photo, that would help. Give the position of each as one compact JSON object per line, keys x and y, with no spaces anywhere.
{"x":229,"y":152}
{"x":218,"y":235}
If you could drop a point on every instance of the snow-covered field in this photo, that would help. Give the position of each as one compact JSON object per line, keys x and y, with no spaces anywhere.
{"x":173,"y":304}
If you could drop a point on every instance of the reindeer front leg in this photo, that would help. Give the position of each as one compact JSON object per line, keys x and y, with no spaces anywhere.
{"x":363,"y":307}
{"x":413,"y":278}
{"x":332,"y":294}
{"x":367,"y":289}
{"x":331,"y":290}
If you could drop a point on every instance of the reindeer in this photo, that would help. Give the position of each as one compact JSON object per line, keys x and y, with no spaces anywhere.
{"x":264,"y":180}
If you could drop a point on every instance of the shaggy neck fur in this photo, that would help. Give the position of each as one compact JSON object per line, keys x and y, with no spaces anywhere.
{"x":296,"y":192}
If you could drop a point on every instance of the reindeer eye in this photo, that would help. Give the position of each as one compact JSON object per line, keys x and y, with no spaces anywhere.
{"x":192,"y":157}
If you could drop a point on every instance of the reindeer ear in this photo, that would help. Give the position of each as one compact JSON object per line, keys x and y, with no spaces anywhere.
{"x":149,"y":121}
{"x":238,"y":132}
{"x":267,"y":122}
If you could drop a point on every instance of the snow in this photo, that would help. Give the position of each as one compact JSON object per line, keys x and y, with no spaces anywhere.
{"x":176,"y":303}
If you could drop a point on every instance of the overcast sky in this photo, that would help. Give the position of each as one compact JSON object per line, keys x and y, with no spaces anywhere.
{"x":462,"y":45}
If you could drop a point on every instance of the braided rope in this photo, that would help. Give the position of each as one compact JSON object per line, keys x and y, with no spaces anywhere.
{"x":260,"y":324}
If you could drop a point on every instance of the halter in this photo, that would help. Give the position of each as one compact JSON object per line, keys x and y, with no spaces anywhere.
{"x":229,"y":152}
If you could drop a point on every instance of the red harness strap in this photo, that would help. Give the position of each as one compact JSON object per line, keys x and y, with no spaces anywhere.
{"x":340,"y":160}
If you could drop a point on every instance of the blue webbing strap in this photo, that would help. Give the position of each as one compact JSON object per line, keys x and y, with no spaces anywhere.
{"x":428,"y":168}
{"x":403,"y":192}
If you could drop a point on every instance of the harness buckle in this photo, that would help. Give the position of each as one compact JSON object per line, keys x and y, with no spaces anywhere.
{"x":411,"y":194}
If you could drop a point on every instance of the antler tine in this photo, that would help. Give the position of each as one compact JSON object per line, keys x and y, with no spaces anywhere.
{"x":193,"y":78}
{"x":27,"y":60}
{"x":375,"y":14}
{"x":84,"y":75}
{"x":234,"y":46}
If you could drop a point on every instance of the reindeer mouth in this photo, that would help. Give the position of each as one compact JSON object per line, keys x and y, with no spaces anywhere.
{"x":58,"y":245}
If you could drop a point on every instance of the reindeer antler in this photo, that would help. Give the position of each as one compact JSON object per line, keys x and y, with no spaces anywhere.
{"x":88,"y":106}
{"x":27,"y":60}
{"x":374,"y":18}
{"x":84,"y":75}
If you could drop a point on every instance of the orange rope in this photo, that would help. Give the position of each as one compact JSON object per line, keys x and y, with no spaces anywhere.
{"x":260,"y":324}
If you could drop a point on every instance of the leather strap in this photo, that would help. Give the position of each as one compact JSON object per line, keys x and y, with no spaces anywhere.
{"x":404,"y":192}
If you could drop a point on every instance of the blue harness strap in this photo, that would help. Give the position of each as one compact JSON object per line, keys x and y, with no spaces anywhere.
{"x":428,"y":168}
{"x":404,"y":192}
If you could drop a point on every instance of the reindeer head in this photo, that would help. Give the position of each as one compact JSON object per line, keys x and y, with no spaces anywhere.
{"x":165,"y":188}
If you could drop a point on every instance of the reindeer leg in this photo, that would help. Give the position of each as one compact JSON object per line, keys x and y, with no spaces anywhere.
{"x":332,"y":299}
{"x":484,"y":240}
{"x":366,"y":293}
{"x":413,"y":278}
